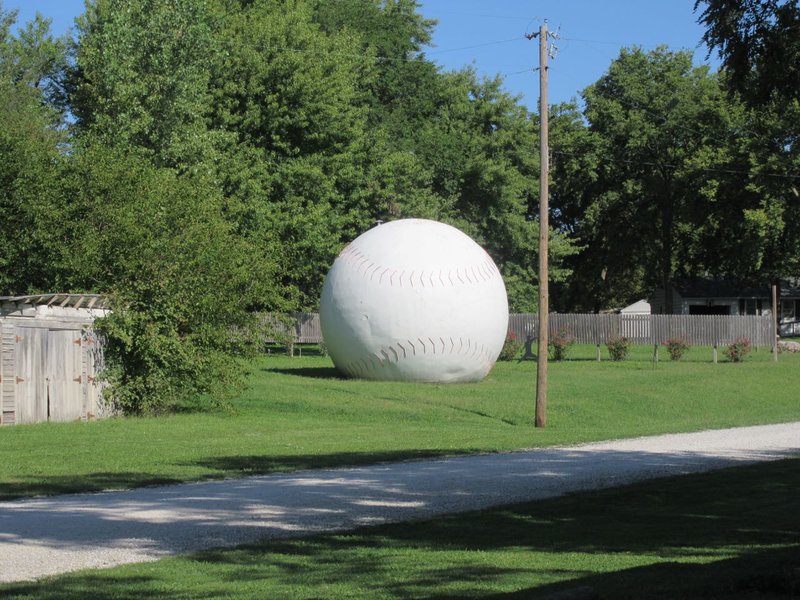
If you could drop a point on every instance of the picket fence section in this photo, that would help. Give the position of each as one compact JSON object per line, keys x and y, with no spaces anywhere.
{"x":698,"y":330}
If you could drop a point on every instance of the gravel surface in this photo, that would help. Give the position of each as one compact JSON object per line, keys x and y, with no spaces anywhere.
{"x":45,"y":536}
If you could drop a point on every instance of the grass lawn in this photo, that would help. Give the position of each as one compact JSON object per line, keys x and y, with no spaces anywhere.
{"x":732,"y":534}
{"x":296,"y":414}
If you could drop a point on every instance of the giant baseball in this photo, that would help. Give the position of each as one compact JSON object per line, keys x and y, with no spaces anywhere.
{"x":414,"y":300}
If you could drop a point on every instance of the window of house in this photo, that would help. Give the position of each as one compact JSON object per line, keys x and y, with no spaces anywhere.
{"x":788,"y":310}
{"x":750,"y":306}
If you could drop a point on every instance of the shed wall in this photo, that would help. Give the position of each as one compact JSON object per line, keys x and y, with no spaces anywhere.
{"x":48,"y":368}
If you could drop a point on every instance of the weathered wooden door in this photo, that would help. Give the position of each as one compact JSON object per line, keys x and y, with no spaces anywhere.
{"x":49,"y":381}
{"x":63,"y":368}
{"x":30,"y":378}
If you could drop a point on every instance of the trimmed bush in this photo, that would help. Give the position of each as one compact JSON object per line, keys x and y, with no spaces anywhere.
{"x":676,"y":347}
{"x":511,"y":347}
{"x":618,"y":348}
{"x":738,"y":350}
{"x":560,"y":344}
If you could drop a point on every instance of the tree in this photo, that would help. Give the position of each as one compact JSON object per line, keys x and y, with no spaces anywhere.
{"x":759,"y":42}
{"x":494,"y":178}
{"x":140,"y":78}
{"x":179,"y":279}
{"x":293,"y":104}
{"x":657,"y":126}
{"x":30,"y":136}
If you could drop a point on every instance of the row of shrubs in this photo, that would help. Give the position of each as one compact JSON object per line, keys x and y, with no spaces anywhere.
{"x":619,"y":347}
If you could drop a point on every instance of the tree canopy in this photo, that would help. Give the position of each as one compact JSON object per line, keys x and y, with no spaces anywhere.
{"x":759,"y":42}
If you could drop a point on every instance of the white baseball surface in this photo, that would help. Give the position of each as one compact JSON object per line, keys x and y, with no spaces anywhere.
{"x":414,"y":300}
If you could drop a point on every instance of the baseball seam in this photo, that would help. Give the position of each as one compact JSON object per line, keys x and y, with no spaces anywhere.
{"x":484,"y":271}
{"x":393,"y":354}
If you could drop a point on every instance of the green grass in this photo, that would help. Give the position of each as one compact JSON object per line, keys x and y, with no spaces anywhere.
{"x":296,"y":414}
{"x":732,"y":534}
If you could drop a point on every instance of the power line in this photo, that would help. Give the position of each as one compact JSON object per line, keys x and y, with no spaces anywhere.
{"x":393,"y":59}
{"x":496,"y":43}
{"x":612,"y":43}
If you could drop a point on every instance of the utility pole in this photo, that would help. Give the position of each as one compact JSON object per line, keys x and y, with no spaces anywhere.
{"x":544,"y":229}
{"x":775,"y":326}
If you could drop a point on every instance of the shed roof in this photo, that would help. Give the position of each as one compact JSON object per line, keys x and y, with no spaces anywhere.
{"x":59,"y":300}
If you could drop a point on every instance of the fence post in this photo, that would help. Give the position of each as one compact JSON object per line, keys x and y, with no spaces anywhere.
{"x":655,"y":353}
{"x":715,"y":354}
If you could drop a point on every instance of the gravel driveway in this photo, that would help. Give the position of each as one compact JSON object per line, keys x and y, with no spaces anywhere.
{"x":44,"y":536}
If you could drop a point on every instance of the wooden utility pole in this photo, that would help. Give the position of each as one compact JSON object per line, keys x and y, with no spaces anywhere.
{"x":544,"y":230}
{"x":775,"y":327}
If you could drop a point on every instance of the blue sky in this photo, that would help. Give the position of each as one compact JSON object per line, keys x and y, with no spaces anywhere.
{"x":490,"y":35}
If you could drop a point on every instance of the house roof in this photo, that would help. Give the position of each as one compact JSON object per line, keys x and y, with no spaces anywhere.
{"x":640,"y":307}
{"x":729,"y":288}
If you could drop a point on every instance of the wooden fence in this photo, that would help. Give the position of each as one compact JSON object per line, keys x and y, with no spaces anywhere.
{"x":698,"y":330}
{"x":300,"y":328}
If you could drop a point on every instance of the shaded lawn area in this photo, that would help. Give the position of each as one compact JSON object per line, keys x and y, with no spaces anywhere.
{"x":298,"y":414}
{"x":729,"y":534}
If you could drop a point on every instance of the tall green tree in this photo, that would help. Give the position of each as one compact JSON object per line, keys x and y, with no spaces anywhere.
{"x":759,"y":42}
{"x":140,"y":78}
{"x":31,"y":131}
{"x":292,"y":101}
{"x":656,"y":126}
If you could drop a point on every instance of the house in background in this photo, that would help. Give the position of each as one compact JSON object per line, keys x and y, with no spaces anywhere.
{"x":703,"y":296}
{"x":641,"y":307}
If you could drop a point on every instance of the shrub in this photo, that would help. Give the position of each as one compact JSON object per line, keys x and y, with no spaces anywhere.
{"x":561,"y":343}
{"x":511,"y":347}
{"x":738,"y":350}
{"x":618,"y":348}
{"x":179,"y":277}
{"x":676,"y":347}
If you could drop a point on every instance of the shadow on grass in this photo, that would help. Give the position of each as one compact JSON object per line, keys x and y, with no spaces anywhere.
{"x":748,"y":512}
{"x":313,"y":372}
{"x":729,"y":534}
{"x":101,"y":587}
{"x":88,"y":482}
{"x":239,"y":466}
{"x":768,"y":574}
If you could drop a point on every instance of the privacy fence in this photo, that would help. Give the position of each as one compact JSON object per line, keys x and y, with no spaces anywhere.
{"x":698,"y":330}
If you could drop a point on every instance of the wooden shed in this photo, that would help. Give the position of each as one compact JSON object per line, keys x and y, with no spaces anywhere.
{"x":50,"y":357}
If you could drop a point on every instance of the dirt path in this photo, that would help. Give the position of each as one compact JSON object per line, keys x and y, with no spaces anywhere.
{"x":44,"y":536}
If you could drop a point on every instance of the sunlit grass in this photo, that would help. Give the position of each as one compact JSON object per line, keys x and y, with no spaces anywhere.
{"x":297,"y":414}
